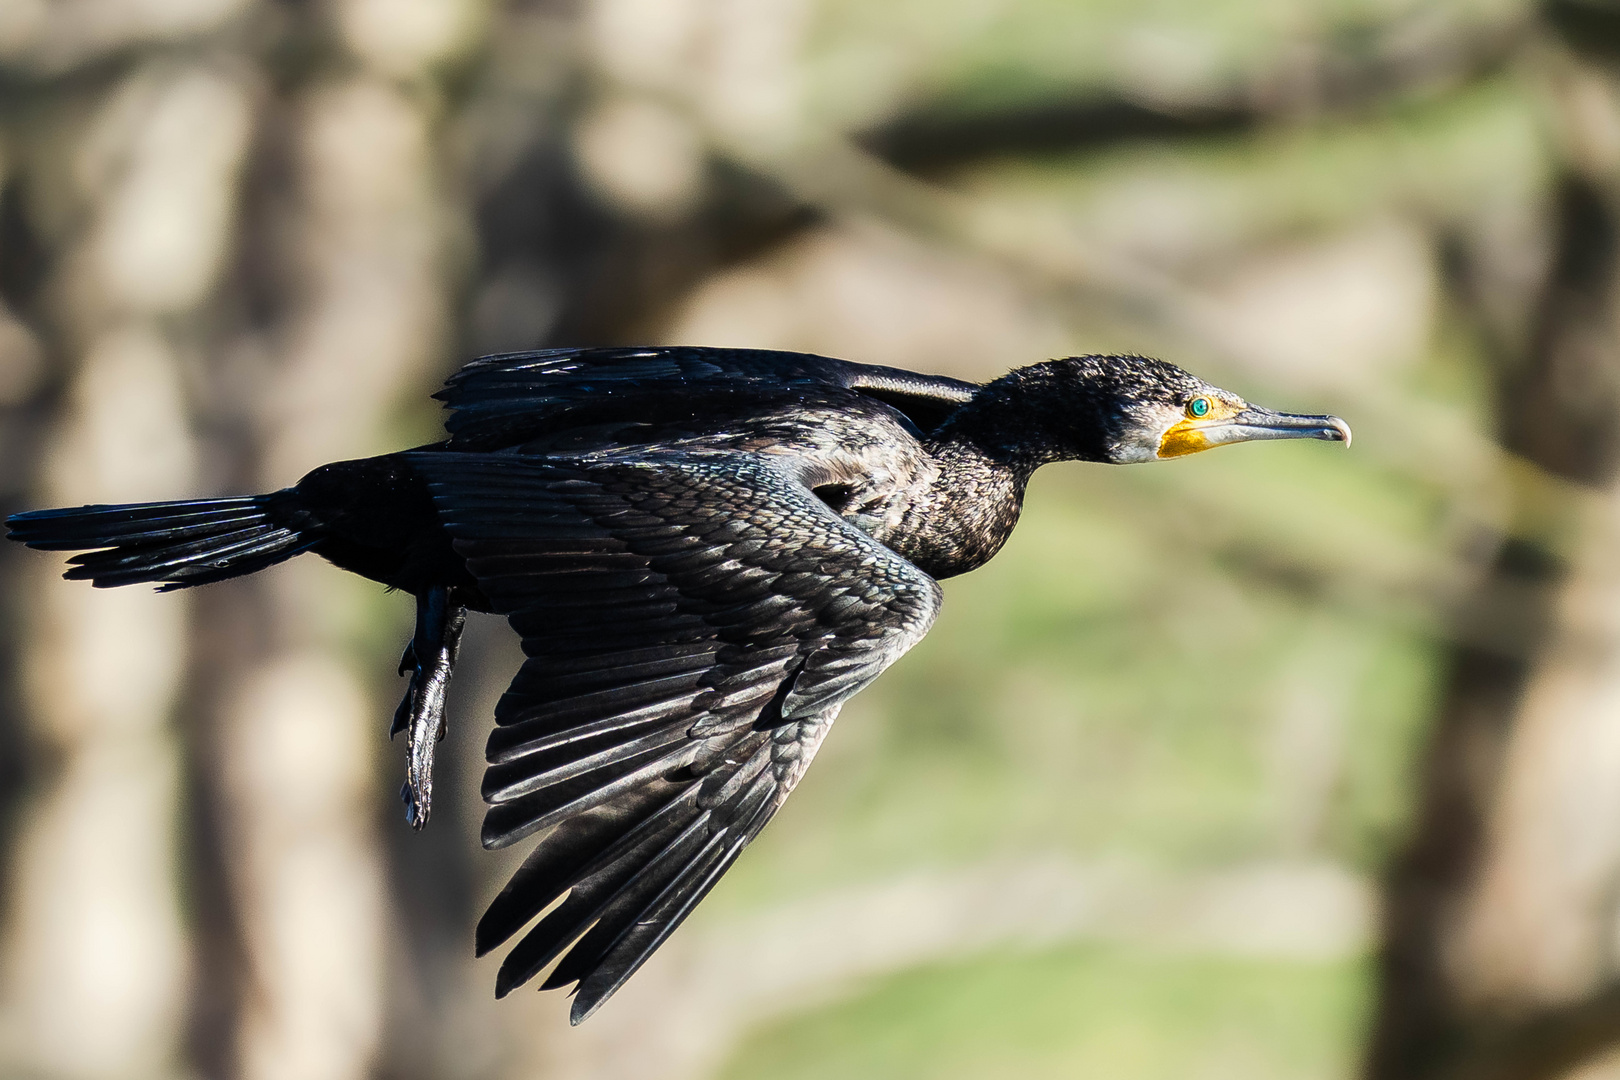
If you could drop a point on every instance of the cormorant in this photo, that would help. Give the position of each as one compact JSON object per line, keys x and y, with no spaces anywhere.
{"x":706,"y":552}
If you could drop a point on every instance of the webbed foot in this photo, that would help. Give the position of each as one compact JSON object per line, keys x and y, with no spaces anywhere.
{"x":430,"y":657}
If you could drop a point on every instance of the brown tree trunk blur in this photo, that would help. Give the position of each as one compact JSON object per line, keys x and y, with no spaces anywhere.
{"x":1499,"y":951}
{"x":97,"y":958}
{"x":344,"y":288}
{"x":250,"y":263}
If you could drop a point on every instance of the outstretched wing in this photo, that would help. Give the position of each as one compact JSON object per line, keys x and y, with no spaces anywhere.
{"x":502,"y":401}
{"x":692,"y":622}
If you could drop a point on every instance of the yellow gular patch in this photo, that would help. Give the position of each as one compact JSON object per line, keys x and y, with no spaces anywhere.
{"x":1187,"y":436}
{"x":1183,"y":439}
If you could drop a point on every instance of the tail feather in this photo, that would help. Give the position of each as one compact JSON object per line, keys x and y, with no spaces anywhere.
{"x":178,"y":544}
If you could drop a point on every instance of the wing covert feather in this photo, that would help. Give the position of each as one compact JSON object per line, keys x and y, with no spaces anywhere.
{"x":504,"y":400}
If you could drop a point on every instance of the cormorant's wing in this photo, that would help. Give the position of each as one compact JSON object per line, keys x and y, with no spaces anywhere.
{"x":693,"y":623}
{"x":501,"y":401}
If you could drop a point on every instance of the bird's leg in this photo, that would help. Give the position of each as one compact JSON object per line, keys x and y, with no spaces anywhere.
{"x":429,"y":657}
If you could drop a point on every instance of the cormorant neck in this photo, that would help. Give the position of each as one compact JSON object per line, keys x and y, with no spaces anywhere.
{"x":1031,"y":417}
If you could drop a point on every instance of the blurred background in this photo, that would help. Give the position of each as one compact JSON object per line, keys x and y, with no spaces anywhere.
{"x":1283,"y":762}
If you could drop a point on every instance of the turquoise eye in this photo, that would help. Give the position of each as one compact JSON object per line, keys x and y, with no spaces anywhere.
{"x":1198,"y":408}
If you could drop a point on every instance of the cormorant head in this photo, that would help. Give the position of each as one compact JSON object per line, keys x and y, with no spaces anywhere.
{"x":1124,"y":409}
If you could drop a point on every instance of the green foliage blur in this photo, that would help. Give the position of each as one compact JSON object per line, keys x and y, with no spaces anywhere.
{"x":1224,"y":661}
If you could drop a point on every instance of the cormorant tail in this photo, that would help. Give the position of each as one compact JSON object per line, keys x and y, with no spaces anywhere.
{"x":179,"y":544}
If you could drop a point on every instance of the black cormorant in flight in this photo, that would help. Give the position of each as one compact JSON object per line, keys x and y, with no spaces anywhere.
{"x":706,"y":552}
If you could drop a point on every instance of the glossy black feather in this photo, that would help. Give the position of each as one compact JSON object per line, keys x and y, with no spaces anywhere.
{"x":605,"y":879}
{"x":508,"y":400}
{"x":178,"y":544}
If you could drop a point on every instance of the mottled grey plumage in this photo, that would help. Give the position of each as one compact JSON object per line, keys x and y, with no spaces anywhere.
{"x":705,"y":552}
